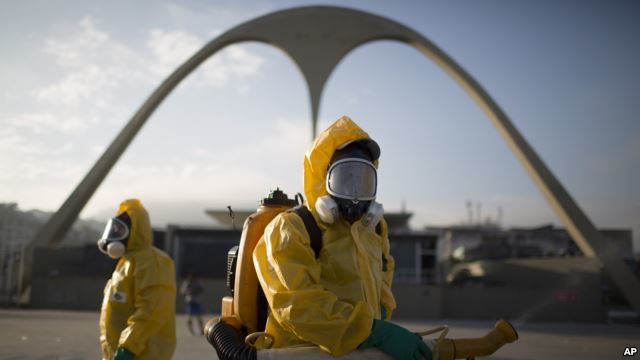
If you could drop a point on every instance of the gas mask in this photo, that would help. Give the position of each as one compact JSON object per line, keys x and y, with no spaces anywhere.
{"x":328,"y":210}
{"x":115,"y":236}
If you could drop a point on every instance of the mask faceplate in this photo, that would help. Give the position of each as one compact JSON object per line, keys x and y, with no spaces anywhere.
{"x":352,"y":179}
{"x":113,"y":241}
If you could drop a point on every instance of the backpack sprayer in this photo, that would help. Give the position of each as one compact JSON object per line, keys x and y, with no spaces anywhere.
{"x":243,"y":317}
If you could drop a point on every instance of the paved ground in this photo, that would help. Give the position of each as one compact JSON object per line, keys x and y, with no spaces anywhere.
{"x":73,"y":335}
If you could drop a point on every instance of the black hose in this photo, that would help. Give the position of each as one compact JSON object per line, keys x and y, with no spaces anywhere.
{"x":228,"y":343}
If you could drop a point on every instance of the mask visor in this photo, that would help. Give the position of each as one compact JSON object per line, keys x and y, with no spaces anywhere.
{"x":116,"y":230}
{"x":353,"y":179}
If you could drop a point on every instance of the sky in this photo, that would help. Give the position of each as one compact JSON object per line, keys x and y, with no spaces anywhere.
{"x":72,"y":73}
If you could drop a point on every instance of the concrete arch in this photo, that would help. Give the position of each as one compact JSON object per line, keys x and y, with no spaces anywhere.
{"x":316,"y":38}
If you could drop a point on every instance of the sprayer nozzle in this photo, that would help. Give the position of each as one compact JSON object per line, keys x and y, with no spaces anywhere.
{"x":509,"y":332}
{"x":503,"y":333}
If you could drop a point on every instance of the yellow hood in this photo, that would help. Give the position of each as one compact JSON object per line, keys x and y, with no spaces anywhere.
{"x":316,"y":160}
{"x":140,"y":236}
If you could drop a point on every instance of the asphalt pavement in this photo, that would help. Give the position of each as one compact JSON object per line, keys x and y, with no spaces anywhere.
{"x":73,"y":335}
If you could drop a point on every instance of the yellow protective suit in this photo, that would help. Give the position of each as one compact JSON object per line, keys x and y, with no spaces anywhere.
{"x":330,"y":301}
{"x":138,"y":309}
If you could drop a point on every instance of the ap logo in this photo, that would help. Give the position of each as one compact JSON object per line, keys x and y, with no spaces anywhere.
{"x":630,"y":351}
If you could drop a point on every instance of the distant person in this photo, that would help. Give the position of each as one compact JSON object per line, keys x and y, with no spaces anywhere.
{"x":138,"y":310}
{"x":192,"y":289}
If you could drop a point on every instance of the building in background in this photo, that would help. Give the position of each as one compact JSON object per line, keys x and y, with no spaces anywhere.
{"x":414,"y":250}
{"x":17,"y":229}
{"x":489,"y":242}
{"x":472,"y":272}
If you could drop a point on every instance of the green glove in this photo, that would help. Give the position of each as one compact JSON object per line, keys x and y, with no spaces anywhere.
{"x":396,"y":341}
{"x":123,"y":354}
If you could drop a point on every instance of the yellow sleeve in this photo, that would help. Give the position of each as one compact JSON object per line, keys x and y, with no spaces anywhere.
{"x":387,"y":298}
{"x":154,"y":302}
{"x":290,"y":278}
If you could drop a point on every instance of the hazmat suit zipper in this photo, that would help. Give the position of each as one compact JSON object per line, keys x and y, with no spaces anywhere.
{"x":365,"y":270}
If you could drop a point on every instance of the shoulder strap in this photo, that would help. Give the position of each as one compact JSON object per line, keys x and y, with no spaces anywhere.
{"x":315,"y":234}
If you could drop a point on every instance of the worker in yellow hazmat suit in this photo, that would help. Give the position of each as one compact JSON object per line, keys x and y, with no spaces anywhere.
{"x":138,"y":310}
{"x":342,"y":299}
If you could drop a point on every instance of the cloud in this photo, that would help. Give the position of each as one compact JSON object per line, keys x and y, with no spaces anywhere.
{"x":241,"y":62}
{"x":286,"y":142}
{"x":32,"y":173}
{"x":95,"y":69}
{"x":98,"y":149}
{"x":96,"y":65}
{"x":180,"y":192}
{"x":43,"y":185}
{"x":172,"y":48}
{"x":12,"y":142}
{"x":204,"y":179}
{"x":234,"y":62}
{"x":93,"y":66}
{"x":288,"y":135}
{"x":84,"y":84}
{"x":73,"y":51}
{"x":39,"y":123}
